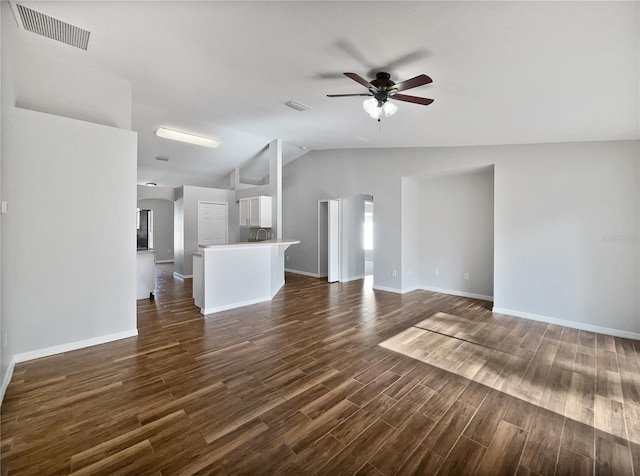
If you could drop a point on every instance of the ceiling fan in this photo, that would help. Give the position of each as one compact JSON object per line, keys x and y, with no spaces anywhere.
{"x":382,"y":89}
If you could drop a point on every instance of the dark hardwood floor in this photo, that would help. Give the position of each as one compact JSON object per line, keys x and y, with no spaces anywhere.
{"x":302,"y":385}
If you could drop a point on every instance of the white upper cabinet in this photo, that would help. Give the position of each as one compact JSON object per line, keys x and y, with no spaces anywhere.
{"x":255,"y":211}
{"x":244,"y":212}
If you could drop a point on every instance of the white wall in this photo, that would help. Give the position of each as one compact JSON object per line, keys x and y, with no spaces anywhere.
{"x":566,"y":235}
{"x":68,"y":239}
{"x":553,"y":202}
{"x":410,"y":211}
{"x":6,"y":345}
{"x":62,"y":86}
{"x":455,"y":232}
{"x":186,"y":222}
{"x":162,"y":226}
{"x":69,"y":262}
{"x":161,"y":193}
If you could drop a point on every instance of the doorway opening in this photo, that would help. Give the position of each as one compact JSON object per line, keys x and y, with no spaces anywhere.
{"x":345,"y":238}
{"x":368,"y":238}
{"x":162,"y":210}
{"x":144,"y":224}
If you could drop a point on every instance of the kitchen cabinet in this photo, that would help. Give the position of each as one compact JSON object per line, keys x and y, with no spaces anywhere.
{"x":244,"y":212}
{"x":255,"y":211}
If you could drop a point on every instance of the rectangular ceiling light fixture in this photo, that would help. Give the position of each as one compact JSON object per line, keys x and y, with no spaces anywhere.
{"x":298,"y":106}
{"x":189,"y":138}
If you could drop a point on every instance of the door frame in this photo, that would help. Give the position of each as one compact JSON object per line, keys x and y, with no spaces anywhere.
{"x":334,"y":228}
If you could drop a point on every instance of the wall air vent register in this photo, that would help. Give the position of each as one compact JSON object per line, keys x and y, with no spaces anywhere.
{"x":52,"y":28}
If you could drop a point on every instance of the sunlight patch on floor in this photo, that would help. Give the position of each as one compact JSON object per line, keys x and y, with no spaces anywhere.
{"x":458,"y":345}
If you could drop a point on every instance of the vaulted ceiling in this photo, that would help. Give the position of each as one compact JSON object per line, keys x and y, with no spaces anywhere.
{"x":503,"y":73}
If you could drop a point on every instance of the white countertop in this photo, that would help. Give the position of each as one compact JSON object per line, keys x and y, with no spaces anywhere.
{"x":253,"y":243}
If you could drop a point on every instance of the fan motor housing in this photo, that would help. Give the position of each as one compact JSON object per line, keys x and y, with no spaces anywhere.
{"x":384,"y":86}
{"x":383,"y":82}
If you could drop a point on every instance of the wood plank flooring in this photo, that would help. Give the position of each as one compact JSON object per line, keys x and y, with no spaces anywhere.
{"x":329,"y":379}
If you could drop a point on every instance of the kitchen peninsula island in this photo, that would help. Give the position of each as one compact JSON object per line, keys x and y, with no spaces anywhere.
{"x":238,"y":274}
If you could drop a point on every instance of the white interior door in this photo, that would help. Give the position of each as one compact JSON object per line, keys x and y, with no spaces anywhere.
{"x":212,"y":223}
{"x":333,"y":241}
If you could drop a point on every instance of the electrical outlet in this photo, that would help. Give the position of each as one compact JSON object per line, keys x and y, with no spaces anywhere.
{"x":466,"y":275}
{"x":394,"y":273}
{"x":437,"y":272}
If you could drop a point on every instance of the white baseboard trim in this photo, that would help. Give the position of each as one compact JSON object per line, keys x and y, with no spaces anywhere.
{"x":226,"y":307}
{"x":562,"y":322}
{"x":303,"y":273}
{"x":7,"y":379}
{"x":389,"y":290}
{"x":80,"y":344}
{"x":396,"y":290}
{"x":456,"y":293}
{"x":352,"y":278}
{"x":182,"y":276}
{"x":411,"y":289}
{"x":164,"y":261}
{"x":280,"y":286}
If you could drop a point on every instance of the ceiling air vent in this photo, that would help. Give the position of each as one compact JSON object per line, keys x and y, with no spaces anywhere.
{"x":53,"y":28}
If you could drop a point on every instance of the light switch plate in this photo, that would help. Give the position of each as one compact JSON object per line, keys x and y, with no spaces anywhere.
{"x":5,"y":207}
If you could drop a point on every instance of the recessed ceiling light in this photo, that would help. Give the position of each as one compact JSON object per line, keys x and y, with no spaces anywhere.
{"x":151,"y":184}
{"x":184,"y":137}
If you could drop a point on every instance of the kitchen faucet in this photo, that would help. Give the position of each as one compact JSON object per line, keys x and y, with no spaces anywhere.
{"x":258,"y":232}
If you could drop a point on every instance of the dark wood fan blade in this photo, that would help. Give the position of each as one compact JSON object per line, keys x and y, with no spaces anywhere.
{"x":413,"y":99}
{"x":413,"y":82}
{"x":360,"y":80}
{"x":346,"y":95}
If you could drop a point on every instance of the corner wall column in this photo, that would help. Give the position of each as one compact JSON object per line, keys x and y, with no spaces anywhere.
{"x":275,"y":180}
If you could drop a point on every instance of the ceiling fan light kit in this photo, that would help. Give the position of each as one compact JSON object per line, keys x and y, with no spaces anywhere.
{"x":382,"y":89}
{"x":375,"y":109}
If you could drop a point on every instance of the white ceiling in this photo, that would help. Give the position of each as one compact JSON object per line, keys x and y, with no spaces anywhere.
{"x":503,"y":73}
